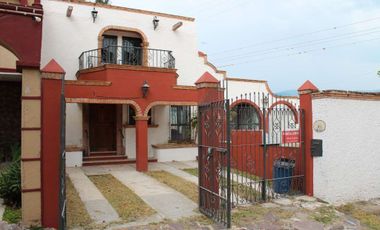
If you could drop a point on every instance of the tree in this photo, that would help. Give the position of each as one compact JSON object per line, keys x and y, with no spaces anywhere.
{"x":106,"y":2}
{"x":378,"y":73}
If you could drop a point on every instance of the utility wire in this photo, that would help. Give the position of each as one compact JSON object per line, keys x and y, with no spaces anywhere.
{"x":298,"y":53}
{"x":298,"y":35}
{"x":300,"y":44}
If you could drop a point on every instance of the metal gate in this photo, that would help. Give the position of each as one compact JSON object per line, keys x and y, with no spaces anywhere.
{"x":62,"y":164}
{"x":251,"y":149}
{"x":214,"y":162}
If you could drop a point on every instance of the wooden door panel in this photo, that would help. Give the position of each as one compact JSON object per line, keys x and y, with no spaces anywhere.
{"x":102,"y":127}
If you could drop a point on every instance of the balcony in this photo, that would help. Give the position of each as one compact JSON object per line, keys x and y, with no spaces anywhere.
{"x":127,"y":55}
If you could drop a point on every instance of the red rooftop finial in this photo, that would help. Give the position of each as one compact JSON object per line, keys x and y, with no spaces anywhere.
{"x":207,"y":78}
{"x":308,"y":86}
{"x":53,"y":67}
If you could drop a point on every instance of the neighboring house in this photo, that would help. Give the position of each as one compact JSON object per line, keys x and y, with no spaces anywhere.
{"x":123,"y":47}
{"x":133,"y":79}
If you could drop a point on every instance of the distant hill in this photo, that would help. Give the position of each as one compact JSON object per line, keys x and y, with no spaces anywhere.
{"x":291,"y":92}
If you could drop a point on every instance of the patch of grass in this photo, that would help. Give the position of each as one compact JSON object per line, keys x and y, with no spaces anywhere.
{"x":128,"y":205}
{"x":192,"y":171}
{"x":12,"y":215}
{"x":366,"y":218}
{"x":246,"y":174}
{"x":181,"y":185}
{"x":325,"y":215}
{"x":76,"y":212}
{"x":249,"y":214}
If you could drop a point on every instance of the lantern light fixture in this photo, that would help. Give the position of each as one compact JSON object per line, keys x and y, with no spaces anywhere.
{"x":155,"y":22}
{"x":94,"y":14}
{"x":145,"y":88}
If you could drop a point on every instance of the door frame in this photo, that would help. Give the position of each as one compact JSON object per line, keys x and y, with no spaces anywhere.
{"x":120,"y":149}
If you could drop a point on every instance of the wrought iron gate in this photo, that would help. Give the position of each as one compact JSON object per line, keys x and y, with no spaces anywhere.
{"x":62,"y":164}
{"x":214,"y":162}
{"x":251,"y":149}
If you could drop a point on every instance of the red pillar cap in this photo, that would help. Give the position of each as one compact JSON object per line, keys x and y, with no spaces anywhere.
{"x":207,"y":78}
{"x":53,"y":67}
{"x":308,"y":86}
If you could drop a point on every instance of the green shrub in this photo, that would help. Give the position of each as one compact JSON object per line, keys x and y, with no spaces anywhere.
{"x":10,"y":181}
{"x":12,"y":215}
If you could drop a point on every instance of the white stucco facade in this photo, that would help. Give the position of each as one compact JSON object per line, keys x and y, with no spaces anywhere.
{"x":65,"y":38}
{"x":349,"y":169}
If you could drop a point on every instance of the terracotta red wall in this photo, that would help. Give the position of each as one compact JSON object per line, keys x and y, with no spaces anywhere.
{"x":22,"y":35}
{"x":50,"y":152}
{"x":247,"y":154}
{"x":126,"y":84}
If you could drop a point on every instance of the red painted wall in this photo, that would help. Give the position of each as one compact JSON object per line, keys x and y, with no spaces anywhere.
{"x":247,"y":154}
{"x":50,"y":152}
{"x":22,"y":35}
{"x":126,"y":84}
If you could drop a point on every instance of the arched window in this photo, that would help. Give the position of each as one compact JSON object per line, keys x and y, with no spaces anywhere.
{"x":245,"y":116}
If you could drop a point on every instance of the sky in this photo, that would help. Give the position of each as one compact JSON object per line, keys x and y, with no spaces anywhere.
{"x":333,"y":43}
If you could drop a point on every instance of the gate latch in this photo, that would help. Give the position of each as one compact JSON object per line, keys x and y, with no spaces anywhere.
{"x":209,"y":152}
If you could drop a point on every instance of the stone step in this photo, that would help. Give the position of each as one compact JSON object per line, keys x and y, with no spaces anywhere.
{"x":102,"y":158}
{"x":112,"y":162}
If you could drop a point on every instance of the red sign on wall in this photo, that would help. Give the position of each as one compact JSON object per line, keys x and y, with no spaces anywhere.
{"x":290,"y":136}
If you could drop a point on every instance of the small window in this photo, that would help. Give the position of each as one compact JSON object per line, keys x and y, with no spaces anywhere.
{"x":180,"y":124}
{"x":245,"y":116}
{"x":132,"y":114}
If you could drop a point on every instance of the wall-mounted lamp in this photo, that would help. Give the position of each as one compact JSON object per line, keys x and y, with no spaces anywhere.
{"x":266,"y":102}
{"x":37,"y":19}
{"x":155,"y":22}
{"x":145,"y":88}
{"x":94,"y":14}
{"x":69,"y":11}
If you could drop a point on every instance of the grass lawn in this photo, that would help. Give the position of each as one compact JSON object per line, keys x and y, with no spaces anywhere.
{"x":12,"y":215}
{"x":192,"y":171}
{"x":181,"y":185}
{"x":127,"y":204}
{"x":239,"y":189}
{"x":76,"y":212}
{"x":325,"y":215}
{"x":358,"y":211}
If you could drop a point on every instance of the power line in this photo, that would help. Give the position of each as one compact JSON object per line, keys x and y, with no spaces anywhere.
{"x":298,"y":53}
{"x":301,"y":44}
{"x":298,"y":35}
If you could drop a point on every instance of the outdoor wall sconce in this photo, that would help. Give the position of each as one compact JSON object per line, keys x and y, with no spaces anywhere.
{"x":37,"y":19}
{"x":155,"y":22}
{"x":265,"y":102}
{"x":69,"y":11}
{"x":94,"y":14}
{"x":145,"y":88}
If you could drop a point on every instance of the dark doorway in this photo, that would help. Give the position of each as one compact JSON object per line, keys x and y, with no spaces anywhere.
{"x":10,"y":119}
{"x":102,"y":126}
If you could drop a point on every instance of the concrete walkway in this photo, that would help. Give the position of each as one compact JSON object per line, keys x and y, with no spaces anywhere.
{"x":169,"y":167}
{"x":166,"y":201}
{"x":97,"y":206}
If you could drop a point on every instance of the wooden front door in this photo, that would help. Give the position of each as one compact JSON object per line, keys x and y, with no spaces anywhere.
{"x":102,"y":126}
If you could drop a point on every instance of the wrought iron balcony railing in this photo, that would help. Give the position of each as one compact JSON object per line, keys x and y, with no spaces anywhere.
{"x":127,"y":55}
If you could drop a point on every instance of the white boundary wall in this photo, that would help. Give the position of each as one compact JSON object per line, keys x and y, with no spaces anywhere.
{"x":349,"y":169}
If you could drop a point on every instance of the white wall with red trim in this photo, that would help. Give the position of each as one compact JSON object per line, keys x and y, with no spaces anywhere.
{"x":349,"y":169}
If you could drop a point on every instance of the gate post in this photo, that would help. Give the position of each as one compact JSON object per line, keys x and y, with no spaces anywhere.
{"x":208,"y":89}
{"x":305,"y":92}
{"x":52,"y":77}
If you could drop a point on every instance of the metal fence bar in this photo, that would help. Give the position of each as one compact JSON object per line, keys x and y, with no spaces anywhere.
{"x":126,"y":55}
{"x":62,"y":165}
